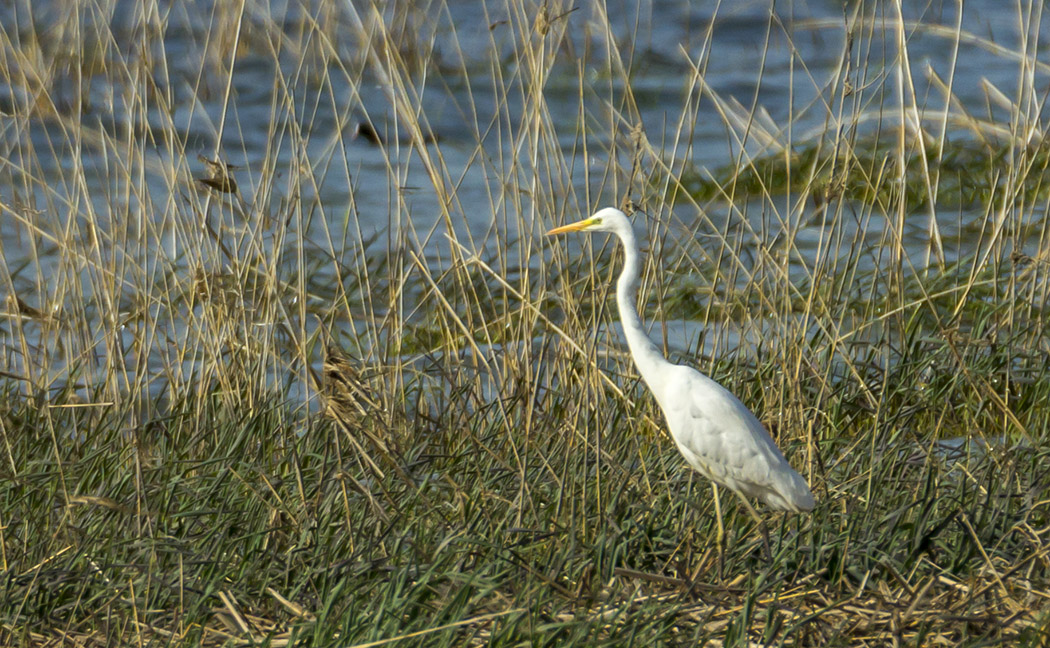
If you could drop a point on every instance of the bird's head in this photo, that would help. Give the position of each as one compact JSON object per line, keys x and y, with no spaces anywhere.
{"x":609,"y":219}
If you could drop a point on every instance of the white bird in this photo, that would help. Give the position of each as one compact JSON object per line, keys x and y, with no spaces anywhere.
{"x":716,"y":433}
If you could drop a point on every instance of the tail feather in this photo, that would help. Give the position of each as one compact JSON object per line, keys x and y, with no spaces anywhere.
{"x":792,"y":494}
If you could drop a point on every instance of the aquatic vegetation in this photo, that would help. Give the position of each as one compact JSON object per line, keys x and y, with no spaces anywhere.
{"x":967,"y":174}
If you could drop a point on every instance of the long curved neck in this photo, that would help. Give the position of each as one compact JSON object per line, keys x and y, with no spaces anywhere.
{"x":645,"y":353}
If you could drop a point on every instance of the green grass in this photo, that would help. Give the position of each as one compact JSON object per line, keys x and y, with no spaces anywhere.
{"x":967,"y":173}
{"x":168,"y":475}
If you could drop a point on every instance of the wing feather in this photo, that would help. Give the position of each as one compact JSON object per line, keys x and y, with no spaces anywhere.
{"x":725,"y":442}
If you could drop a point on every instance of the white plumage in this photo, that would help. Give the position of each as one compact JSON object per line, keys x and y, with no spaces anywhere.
{"x":714,"y":431}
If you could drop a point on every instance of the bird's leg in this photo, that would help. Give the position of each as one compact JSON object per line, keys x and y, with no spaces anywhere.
{"x":761,"y":526}
{"x":720,"y":536}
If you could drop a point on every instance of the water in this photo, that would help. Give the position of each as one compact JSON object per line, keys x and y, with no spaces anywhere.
{"x":805,"y":51}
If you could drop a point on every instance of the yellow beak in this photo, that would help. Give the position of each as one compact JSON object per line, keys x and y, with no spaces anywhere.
{"x":571,"y":227}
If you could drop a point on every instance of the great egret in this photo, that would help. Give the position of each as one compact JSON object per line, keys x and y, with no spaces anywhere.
{"x":713,"y":430}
